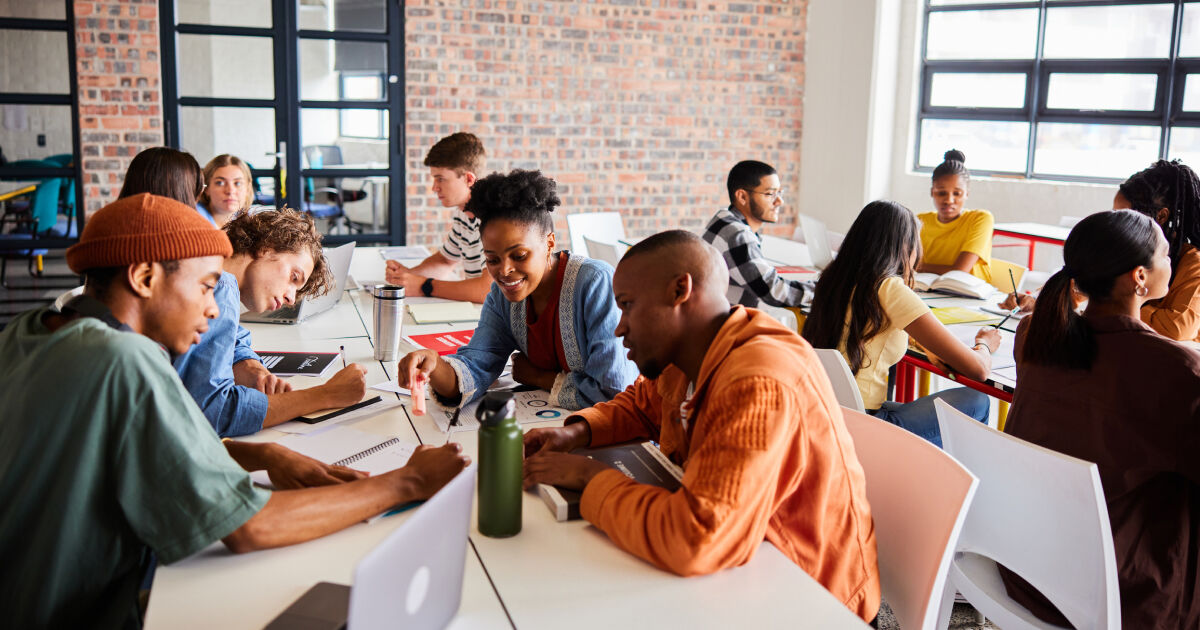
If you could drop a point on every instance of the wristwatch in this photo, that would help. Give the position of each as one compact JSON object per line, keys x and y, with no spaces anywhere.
{"x":427,"y":287}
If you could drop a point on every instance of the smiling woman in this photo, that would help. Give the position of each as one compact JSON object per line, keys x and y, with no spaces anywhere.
{"x":554,"y":309}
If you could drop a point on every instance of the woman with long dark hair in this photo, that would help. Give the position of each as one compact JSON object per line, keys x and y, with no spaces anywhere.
{"x":865,"y":307}
{"x":1103,"y":387}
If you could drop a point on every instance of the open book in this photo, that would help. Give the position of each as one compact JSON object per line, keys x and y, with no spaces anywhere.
{"x":640,"y":461}
{"x":955,"y":283}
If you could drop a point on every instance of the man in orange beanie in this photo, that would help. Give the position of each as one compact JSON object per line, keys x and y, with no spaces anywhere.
{"x":104,"y":457}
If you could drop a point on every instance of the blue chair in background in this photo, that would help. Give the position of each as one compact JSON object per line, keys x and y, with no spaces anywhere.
{"x":48,"y":212}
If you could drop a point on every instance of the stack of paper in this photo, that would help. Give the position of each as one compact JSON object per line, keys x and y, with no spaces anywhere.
{"x":441,"y":312}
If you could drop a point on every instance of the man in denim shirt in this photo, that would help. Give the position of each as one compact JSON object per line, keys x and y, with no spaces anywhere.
{"x":276,"y":260}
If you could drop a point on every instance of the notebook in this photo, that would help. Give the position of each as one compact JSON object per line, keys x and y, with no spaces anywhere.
{"x":322,"y":415}
{"x":640,"y":461}
{"x":441,"y":312}
{"x":959,"y":315}
{"x":347,"y":446}
{"x":338,"y":260}
{"x":444,"y":343}
{"x":297,"y":363}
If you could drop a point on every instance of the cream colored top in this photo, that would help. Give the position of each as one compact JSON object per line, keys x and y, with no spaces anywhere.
{"x":901,"y":306}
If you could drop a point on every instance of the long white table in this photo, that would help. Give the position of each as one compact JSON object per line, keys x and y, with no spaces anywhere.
{"x":550,"y":575}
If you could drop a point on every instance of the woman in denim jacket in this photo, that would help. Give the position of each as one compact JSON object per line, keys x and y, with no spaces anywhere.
{"x":554,"y":309}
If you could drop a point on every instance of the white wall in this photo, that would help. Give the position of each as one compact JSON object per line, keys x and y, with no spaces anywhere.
{"x":853,"y":151}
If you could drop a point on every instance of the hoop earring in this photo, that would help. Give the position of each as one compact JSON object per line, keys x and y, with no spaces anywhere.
{"x":1141,"y":291}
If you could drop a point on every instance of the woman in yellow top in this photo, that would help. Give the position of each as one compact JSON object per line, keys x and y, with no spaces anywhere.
{"x":864,"y":307}
{"x":953,"y":238}
{"x":1169,"y":193}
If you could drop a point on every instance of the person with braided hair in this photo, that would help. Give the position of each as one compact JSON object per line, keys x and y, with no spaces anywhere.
{"x":1169,"y":193}
{"x":953,"y":238}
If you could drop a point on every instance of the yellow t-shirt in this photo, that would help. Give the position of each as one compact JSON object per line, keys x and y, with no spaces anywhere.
{"x":970,"y":232}
{"x":901,"y":307}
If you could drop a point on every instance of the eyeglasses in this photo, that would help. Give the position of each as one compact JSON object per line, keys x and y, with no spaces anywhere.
{"x":773,"y":196}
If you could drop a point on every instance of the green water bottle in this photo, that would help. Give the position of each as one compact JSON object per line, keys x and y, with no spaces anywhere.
{"x":501,"y":450}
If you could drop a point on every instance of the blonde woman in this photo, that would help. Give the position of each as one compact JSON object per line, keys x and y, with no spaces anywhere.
{"x":229,"y":189}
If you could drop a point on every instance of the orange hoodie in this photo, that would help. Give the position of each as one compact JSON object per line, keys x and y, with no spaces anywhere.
{"x":765,"y":454}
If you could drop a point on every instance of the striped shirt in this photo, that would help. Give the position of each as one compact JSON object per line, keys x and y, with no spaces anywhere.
{"x":462,"y":243}
{"x":751,"y":276}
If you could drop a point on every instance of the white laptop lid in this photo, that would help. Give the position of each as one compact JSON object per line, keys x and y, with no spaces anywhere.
{"x":414,"y":578}
{"x":817,"y":239}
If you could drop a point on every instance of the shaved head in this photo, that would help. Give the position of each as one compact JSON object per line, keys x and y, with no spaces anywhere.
{"x":668,"y":255}
{"x":670,"y":289}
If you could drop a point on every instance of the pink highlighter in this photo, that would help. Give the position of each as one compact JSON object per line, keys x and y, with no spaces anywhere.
{"x":416,"y":384}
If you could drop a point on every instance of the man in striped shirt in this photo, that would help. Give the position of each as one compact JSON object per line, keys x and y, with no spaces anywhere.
{"x":755,"y":196}
{"x":454,"y":162}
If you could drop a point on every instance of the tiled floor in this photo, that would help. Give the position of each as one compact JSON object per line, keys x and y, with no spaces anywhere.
{"x":24,"y":292}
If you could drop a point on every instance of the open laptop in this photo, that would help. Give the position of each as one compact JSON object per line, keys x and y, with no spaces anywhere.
{"x":338,"y":260}
{"x":817,"y":239}
{"x":413,"y":579}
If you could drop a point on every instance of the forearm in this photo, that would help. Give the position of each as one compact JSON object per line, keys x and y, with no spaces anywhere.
{"x":294,"y":516}
{"x":436,"y":266}
{"x":469,"y":290}
{"x":251,"y":456}
{"x":290,"y":405}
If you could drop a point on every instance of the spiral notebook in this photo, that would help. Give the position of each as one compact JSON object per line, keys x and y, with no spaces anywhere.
{"x":346,"y":446}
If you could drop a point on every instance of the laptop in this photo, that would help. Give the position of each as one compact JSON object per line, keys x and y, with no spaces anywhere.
{"x":338,"y":260}
{"x":817,"y":239}
{"x":413,"y":579}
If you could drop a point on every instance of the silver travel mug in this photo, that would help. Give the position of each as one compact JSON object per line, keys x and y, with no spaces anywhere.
{"x":388,"y":315}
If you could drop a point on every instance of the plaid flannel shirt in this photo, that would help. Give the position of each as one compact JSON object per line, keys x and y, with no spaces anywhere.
{"x":751,"y":276}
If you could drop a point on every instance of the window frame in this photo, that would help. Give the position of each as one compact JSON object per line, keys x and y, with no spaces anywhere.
{"x":1171,"y":73}
{"x":71,"y":99}
{"x":382,"y":78}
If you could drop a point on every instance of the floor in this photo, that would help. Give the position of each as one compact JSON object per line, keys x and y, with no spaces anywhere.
{"x":964,"y":617}
{"x":24,"y":291}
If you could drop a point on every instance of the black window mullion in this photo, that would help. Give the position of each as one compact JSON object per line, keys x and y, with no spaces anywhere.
{"x":169,"y":58}
{"x":1166,"y":93}
{"x":216,"y":29}
{"x":1037,"y":94}
{"x":349,"y":36}
{"x":31,"y":24}
{"x":398,"y":211}
{"x":211,"y":101}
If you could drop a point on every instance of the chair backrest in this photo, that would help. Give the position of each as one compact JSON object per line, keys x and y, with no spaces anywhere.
{"x":607,"y":252}
{"x":1000,"y":279}
{"x":816,"y":236}
{"x":783,"y":315}
{"x":603,"y":227}
{"x":44,"y":208}
{"x":844,"y":385}
{"x":1041,"y":514}
{"x":919,"y":499}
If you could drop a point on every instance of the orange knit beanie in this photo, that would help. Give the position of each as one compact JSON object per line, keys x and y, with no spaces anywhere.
{"x":145,"y":228}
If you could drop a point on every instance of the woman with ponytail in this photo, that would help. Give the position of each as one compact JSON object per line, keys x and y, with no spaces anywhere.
{"x":953,"y":238}
{"x":1103,"y":387}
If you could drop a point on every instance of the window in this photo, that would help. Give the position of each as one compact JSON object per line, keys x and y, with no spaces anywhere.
{"x":363,"y":123}
{"x":1085,"y":90}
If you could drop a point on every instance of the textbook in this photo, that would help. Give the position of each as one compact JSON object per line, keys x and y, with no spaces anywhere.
{"x":443,"y":343}
{"x":297,"y":363}
{"x":955,"y":283}
{"x":441,"y":312}
{"x":640,"y":461}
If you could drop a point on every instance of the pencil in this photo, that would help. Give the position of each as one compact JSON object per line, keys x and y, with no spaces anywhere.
{"x":342,"y":351}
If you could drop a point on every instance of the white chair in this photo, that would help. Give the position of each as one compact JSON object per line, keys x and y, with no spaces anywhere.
{"x":919,"y":499}
{"x":781,"y":315}
{"x":603,"y":227}
{"x":1041,"y":514}
{"x":607,"y":252}
{"x":844,"y":385}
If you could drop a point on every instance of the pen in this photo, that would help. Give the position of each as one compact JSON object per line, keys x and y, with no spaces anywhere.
{"x":1013,"y":280}
{"x":1010,"y":314}
{"x":342,"y":351}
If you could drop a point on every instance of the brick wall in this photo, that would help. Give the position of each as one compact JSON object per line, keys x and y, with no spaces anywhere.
{"x":640,"y":106}
{"x":120,"y":105}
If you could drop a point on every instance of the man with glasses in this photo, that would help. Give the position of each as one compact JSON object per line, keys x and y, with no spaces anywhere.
{"x":755,"y":197}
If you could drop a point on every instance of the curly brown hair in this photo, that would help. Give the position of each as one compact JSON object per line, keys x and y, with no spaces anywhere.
{"x":285,"y":231}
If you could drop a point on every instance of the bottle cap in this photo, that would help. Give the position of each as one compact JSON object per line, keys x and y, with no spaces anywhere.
{"x":495,"y":408}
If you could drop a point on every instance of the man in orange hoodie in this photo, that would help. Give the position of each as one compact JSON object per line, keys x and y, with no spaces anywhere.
{"x":743,"y":404}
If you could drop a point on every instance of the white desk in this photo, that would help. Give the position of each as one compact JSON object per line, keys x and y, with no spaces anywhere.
{"x":550,"y":575}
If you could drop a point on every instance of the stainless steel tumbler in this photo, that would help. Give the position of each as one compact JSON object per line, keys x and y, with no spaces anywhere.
{"x":388,"y":317}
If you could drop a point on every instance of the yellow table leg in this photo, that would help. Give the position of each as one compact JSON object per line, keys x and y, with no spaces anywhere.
{"x":923,"y":384}
{"x":1003,"y":412}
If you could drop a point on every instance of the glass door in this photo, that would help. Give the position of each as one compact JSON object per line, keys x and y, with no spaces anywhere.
{"x":305,"y":91}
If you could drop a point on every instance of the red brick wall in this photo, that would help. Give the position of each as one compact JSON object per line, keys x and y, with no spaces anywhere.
{"x":640,"y":106}
{"x":120,"y":105}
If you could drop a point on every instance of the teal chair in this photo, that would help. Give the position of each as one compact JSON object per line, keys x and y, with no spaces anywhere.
{"x":49,"y":211}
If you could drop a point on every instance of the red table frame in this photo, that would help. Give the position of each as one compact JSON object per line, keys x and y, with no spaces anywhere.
{"x":906,"y":380}
{"x":1033,"y":241}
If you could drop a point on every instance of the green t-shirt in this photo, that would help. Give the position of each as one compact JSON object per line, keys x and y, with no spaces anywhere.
{"x":103,"y":457}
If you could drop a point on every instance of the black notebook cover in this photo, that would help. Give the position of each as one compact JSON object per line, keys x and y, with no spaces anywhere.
{"x":640,"y":461}
{"x":297,"y":363}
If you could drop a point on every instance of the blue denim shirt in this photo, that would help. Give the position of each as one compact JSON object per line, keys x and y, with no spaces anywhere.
{"x":206,"y":369}
{"x":588,"y":319}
